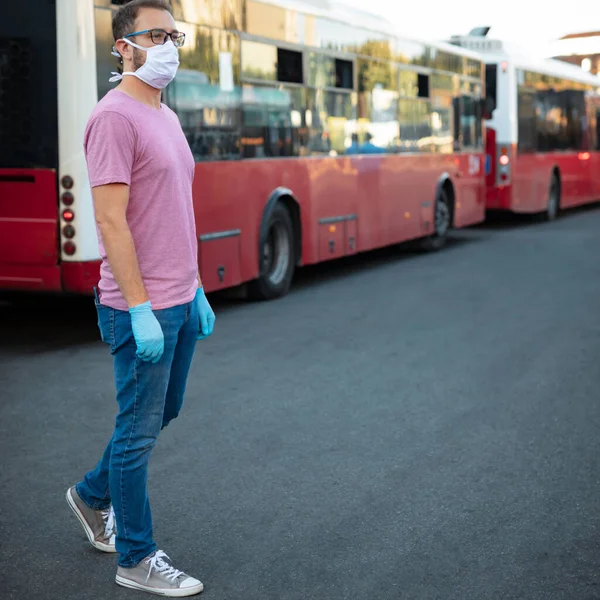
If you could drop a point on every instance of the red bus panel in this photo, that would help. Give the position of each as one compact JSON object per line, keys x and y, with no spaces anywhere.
{"x":531,"y":175}
{"x":28,"y":217}
{"x":347,"y":205}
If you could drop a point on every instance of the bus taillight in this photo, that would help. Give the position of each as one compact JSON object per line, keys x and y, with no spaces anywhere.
{"x":68,"y":231}
{"x":503,"y":174}
{"x":68,"y":215}
{"x":67,"y":198}
{"x":67,"y":182}
{"x":69,"y":248}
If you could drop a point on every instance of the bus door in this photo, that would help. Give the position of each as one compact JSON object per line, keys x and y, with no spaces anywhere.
{"x":490,"y":166}
{"x":579,"y":136}
{"x":28,"y":134}
{"x":469,"y":158}
{"x":595,"y":147}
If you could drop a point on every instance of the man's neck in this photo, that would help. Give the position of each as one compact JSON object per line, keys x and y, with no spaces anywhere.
{"x":140,"y":91}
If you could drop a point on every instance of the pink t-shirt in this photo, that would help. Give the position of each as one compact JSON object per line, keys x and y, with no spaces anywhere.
{"x":129,"y":142}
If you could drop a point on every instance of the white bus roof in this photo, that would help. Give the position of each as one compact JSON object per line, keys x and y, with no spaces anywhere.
{"x":495,"y":51}
{"x":355,"y":17}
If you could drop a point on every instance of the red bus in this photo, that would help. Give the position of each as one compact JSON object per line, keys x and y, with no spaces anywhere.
{"x":543,"y":141}
{"x":317,"y":132}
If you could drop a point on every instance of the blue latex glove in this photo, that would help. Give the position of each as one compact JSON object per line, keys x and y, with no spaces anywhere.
{"x":205,"y":315}
{"x":147,"y":332}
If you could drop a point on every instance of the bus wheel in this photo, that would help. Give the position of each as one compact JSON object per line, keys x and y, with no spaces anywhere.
{"x":442,"y":223}
{"x":553,"y":205}
{"x":277,"y":260}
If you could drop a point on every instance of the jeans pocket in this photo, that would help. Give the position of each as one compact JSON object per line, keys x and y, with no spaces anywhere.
{"x":105,"y":321}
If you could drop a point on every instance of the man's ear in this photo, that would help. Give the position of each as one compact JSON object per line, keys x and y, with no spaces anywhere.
{"x":124,"y":49}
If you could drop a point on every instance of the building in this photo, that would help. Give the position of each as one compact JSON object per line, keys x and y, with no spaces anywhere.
{"x":581,"y":49}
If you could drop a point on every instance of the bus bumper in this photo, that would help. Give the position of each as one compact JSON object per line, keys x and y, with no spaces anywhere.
{"x":74,"y":278}
{"x":499,"y":198}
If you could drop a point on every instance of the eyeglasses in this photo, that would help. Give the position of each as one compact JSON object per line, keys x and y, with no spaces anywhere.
{"x":160,"y":36}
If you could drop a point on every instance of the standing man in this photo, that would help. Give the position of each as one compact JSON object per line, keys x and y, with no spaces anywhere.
{"x":150,"y":302}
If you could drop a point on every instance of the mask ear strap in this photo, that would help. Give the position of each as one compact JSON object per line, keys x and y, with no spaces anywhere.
{"x":133,"y":44}
{"x":119,"y":76}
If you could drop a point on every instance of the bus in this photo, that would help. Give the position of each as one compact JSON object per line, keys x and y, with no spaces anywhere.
{"x":317,"y":132}
{"x":543,"y":140}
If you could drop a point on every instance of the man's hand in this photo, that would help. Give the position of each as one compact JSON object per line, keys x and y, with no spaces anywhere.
{"x":147,"y":332}
{"x":206,"y":315}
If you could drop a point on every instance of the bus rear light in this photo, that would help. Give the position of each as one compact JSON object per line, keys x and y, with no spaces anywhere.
{"x":504,"y":177}
{"x":67,"y":182}
{"x":67,"y":198}
{"x":68,"y":231}
{"x":504,"y":160}
{"x":68,"y":215}
{"x":69,"y":248}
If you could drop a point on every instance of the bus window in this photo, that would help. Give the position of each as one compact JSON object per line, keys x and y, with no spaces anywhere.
{"x":328,"y":117}
{"x":423,"y":85}
{"x":491,"y":84}
{"x":259,"y":61}
{"x":344,"y":74}
{"x":274,"y":122}
{"x":377,"y":106}
{"x":414,"y":118}
{"x":321,"y":70}
{"x":526,"y":120}
{"x":408,"y":84}
{"x":289,"y":66}
{"x":327,"y":72}
{"x":209,"y":112}
{"x":470,"y":122}
{"x":411,"y":53}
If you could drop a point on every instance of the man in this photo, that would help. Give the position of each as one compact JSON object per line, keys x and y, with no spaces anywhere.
{"x":150,"y":302}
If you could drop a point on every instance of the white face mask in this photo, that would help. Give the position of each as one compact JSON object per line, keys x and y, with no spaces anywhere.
{"x":160,"y":67}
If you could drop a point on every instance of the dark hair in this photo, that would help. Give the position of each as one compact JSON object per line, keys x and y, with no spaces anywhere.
{"x":124,"y":19}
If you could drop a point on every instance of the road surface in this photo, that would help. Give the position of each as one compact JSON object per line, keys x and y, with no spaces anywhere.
{"x":401,"y":426}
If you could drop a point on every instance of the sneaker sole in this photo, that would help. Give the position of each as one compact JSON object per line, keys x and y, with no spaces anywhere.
{"x":179,"y":593}
{"x":88,"y":532}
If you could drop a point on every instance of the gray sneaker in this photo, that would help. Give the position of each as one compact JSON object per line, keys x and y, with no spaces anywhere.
{"x":99,"y":525}
{"x":156,"y":575}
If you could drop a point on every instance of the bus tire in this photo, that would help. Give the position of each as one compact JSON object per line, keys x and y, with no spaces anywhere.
{"x":277,"y":257}
{"x":553,"y":204}
{"x":442,"y":223}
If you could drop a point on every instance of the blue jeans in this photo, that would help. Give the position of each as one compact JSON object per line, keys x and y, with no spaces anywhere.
{"x":149,"y":397}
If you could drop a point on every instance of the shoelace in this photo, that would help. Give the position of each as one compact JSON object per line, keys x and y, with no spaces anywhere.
{"x":109,"y":521}
{"x":162,"y":567}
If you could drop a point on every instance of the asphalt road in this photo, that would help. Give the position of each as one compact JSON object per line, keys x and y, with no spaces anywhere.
{"x":401,"y":426}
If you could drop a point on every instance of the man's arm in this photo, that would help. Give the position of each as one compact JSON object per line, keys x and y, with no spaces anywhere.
{"x":110,"y":205}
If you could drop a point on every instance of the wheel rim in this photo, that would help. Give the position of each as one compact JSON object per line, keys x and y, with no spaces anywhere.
{"x":276,"y":254}
{"x":442,"y":217}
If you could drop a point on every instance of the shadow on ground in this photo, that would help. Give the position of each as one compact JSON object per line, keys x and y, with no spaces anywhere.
{"x":500,"y":220}
{"x":34,"y":323}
